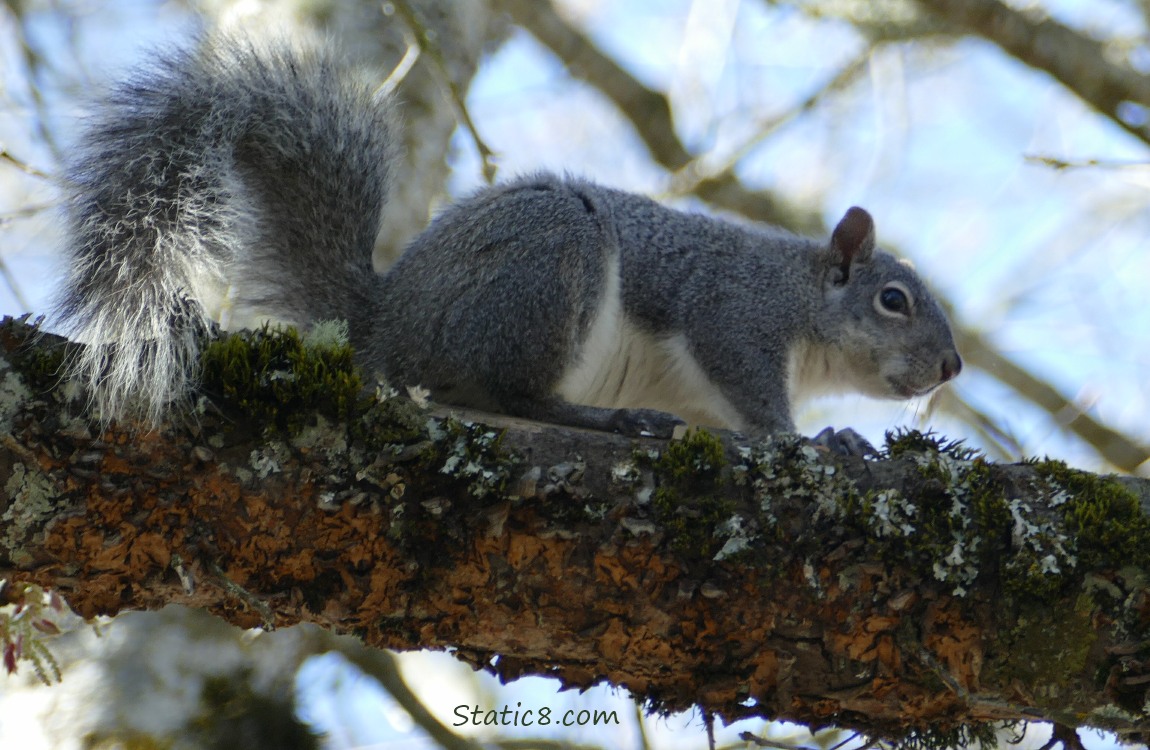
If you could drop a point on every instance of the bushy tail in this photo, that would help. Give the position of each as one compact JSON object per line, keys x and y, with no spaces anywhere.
{"x":236,"y":176}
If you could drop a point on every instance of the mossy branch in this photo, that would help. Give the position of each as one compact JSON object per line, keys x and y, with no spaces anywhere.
{"x":918,"y":595}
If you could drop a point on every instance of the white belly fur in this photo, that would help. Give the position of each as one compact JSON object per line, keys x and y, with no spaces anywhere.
{"x":622,"y":366}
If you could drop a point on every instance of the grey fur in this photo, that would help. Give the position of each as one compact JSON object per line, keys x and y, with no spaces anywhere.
{"x":239,"y":169}
{"x":552,"y":298}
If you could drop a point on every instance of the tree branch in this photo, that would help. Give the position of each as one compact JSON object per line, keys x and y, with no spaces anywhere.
{"x":1121,"y":451}
{"x":650,"y":113}
{"x":381,"y":665}
{"x":1075,"y":60}
{"x":916,"y":593}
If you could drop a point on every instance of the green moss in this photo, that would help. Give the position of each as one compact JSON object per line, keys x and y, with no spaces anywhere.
{"x":273,"y":376}
{"x":1104,"y":518}
{"x":40,"y":365}
{"x":388,"y":422}
{"x":691,"y":467}
{"x":694,"y":528}
{"x":1046,"y":652}
{"x":954,"y":524}
{"x":698,"y":455}
{"x":902,"y":441}
{"x":962,"y":517}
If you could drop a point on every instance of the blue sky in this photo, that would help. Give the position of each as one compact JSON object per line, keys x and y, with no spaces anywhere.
{"x":933,"y":140}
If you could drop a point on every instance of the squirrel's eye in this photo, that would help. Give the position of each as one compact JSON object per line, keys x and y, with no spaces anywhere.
{"x":894,"y":300}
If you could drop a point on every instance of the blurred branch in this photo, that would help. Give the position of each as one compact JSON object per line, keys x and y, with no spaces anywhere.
{"x":694,"y":173}
{"x":1060,"y":164}
{"x":33,"y":62}
{"x":23,"y":166}
{"x":877,"y":20}
{"x":999,"y":443}
{"x":648,"y":110}
{"x":1074,"y":59}
{"x":650,"y":114}
{"x":428,"y":44}
{"x":1082,"y":64}
{"x":381,"y":665}
{"x":28,"y":211}
{"x":641,"y":725}
{"x":1121,"y":451}
{"x":5,"y":271}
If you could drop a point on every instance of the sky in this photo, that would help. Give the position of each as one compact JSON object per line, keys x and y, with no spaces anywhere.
{"x":936,"y":142}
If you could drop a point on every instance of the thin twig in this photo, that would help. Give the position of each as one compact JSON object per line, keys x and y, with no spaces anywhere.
{"x":640,"y":723}
{"x":1060,"y":164}
{"x":650,"y":114}
{"x":23,"y":166}
{"x":688,"y":178}
{"x":758,"y":741}
{"x":381,"y":666}
{"x":851,"y":737}
{"x":33,"y":61}
{"x":249,"y":598}
{"x":1120,"y":451}
{"x":403,"y":67}
{"x":429,"y":47}
{"x":999,"y":442}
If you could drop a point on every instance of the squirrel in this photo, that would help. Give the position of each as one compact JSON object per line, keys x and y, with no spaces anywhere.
{"x":249,"y":176}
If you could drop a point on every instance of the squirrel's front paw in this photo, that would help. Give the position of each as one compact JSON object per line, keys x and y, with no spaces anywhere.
{"x":644,"y":423}
{"x":845,"y":442}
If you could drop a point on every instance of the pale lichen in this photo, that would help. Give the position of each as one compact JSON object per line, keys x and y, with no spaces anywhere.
{"x":269,"y":459}
{"x":475,"y":456}
{"x":788,"y":468}
{"x":13,"y":395}
{"x":738,"y":539}
{"x":33,"y":496}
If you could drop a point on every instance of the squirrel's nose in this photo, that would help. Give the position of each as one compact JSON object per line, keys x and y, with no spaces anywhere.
{"x":951,"y":365}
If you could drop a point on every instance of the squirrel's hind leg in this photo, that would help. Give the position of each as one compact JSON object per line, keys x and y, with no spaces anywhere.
{"x":630,"y":422}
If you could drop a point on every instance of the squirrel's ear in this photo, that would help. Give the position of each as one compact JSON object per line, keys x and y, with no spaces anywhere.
{"x":852,"y":241}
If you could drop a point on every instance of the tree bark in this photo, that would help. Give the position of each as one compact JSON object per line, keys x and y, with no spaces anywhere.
{"x":919,"y":592}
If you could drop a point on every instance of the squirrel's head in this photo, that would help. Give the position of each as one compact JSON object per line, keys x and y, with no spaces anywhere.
{"x":889,"y":335}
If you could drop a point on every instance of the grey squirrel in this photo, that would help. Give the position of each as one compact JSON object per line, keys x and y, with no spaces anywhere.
{"x":247,"y":175}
